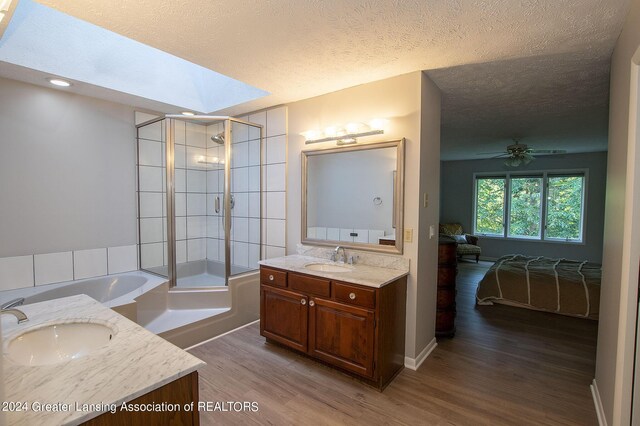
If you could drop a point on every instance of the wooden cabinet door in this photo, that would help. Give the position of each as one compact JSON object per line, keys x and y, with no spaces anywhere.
{"x":342,"y":335}
{"x":284,"y":316}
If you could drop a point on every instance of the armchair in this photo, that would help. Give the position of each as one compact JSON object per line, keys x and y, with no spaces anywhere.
{"x":467,"y":243}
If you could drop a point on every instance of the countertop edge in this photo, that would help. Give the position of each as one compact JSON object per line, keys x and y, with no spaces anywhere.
{"x":275,"y":263}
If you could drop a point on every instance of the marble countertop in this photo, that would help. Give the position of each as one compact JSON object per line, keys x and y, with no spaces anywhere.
{"x":134,"y":363}
{"x":371,"y":276}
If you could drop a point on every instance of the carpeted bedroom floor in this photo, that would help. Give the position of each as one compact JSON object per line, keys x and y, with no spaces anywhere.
{"x":505,"y":366}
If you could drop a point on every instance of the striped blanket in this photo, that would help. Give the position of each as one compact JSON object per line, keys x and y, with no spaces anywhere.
{"x":562,"y":286}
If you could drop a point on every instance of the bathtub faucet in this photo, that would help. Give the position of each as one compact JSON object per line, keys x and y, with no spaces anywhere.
{"x":20,"y":316}
{"x":12,"y":303}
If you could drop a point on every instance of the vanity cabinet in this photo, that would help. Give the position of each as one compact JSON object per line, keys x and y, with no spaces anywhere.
{"x":356,"y":328}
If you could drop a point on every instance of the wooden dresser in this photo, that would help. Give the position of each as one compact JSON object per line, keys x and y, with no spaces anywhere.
{"x":447,"y":270}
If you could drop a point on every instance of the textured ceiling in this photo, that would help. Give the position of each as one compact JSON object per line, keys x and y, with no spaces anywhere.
{"x":297,"y":49}
{"x":548,"y":102}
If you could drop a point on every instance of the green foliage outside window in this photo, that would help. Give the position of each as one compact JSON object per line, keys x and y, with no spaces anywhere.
{"x":524,"y":218}
{"x":490,"y":206}
{"x":564,"y":207}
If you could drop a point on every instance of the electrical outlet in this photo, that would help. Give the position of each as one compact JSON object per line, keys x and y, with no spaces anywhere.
{"x":408,"y":235}
{"x":425,"y":200}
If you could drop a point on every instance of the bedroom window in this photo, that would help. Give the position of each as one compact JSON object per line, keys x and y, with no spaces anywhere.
{"x":490,"y":203}
{"x":565,"y":205}
{"x":540,"y":206}
{"x":525,"y":207}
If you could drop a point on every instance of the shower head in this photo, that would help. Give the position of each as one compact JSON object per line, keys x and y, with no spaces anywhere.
{"x":219,"y":138}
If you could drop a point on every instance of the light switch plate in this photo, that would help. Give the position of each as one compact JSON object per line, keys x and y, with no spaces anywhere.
{"x":432,"y":231}
{"x":425,"y":200}
{"x":408,"y":235}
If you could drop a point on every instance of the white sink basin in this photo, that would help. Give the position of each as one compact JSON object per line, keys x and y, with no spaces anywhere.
{"x":326,"y":267}
{"x":58,"y":343}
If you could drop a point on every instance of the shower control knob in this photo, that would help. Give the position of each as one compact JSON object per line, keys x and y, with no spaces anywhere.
{"x":312,"y":303}
{"x":303,"y":301}
{"x":270,"y":277}
{"x":352,"y":296}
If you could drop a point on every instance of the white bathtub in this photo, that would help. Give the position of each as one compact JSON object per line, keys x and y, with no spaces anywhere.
{"x":110,"y":290}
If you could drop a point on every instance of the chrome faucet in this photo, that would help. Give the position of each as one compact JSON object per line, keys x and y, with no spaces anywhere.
{"x":20,"y":316}
{"x":335,"y":257}
{"x":12,"y":303}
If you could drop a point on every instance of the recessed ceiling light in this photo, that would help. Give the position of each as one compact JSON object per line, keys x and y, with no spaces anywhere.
{"x":187,"y":113}
{"x":59,"y":82}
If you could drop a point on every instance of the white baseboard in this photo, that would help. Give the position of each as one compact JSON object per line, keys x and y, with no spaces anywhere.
{"x":602,"y":419}
{"x":415,"y":363}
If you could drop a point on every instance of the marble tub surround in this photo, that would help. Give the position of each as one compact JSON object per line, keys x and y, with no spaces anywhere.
{"x":132,"y":364}
{"x":388,"y":261}
{"x":360,"y":273}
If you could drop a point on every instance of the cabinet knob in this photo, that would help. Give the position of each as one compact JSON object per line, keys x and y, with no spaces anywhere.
{"x":270,"y":277}
{"x":312,"y":303}
{"x":303,"y":301}
{"x":352,"y":296}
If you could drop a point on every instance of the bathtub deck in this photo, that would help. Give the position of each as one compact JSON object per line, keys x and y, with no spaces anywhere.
{"x":174,"y":318}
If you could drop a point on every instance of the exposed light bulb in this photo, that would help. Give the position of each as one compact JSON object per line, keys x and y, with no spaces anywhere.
{"x":378,"y":123}
{"x":352,"y":127}
{"x":330,"y":131}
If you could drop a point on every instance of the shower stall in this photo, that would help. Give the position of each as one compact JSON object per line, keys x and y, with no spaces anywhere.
{"x":199,"y":198}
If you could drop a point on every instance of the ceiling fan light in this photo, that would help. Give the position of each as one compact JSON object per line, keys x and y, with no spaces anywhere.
{"x":513,"y":162}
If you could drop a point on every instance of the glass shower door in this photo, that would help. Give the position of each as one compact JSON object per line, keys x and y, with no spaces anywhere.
{"x":188,"y":167}
{"x":245,"y":232}
{"x":152,"y":197}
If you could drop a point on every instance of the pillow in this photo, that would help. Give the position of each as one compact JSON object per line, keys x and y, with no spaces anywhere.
{"x":460,"y":239}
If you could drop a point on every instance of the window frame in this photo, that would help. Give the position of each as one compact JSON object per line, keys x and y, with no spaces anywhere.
{"x":545,"y":175}
{"x":475,"y":203}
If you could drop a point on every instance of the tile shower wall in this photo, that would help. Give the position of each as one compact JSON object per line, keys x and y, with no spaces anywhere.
{"x":274,"y":172}
{"x":245,"y":187}
{"x":152,"y":195}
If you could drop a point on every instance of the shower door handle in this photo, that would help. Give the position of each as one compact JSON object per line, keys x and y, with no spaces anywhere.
{"x":217,"y":205}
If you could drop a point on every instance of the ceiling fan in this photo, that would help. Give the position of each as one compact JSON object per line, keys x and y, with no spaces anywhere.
{"x":518,"y":153}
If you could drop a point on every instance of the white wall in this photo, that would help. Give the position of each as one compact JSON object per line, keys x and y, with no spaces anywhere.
{"x":67,"y":167}
{"x":614,"y":363}
{"x":457,"y":185}
{"x":429,"y":167}
{"x":399,"y":99}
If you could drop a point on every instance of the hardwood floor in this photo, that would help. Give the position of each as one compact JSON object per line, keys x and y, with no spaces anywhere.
{"x":505,"y":366}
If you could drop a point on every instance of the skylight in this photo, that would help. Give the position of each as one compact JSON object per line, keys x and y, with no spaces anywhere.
{"x":52,"y":42}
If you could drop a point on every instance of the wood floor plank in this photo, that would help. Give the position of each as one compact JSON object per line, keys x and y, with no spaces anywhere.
{"x":505,"y":366}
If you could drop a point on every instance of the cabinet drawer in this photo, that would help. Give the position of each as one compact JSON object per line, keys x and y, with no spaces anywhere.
{"x":317,"y":286}
{"x":273,"y":277}
{"x":354,"y":295}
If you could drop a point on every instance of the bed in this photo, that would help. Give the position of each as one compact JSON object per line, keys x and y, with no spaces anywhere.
{"x":562,"y":286}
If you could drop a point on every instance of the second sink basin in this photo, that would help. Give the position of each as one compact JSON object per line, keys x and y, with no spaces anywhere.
{"x":56,"y":343}
{"x":327,"y":267}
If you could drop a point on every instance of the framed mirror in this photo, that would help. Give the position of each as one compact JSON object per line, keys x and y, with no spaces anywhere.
{"x":353,"y":196}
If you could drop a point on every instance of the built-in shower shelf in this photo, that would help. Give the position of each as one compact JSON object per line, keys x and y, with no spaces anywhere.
{"x":171,"y":319}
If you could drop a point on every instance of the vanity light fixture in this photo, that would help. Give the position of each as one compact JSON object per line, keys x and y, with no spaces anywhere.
{"x":4,"y":8}
{"x":59,"y":82}
{"x":347,"y":134}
